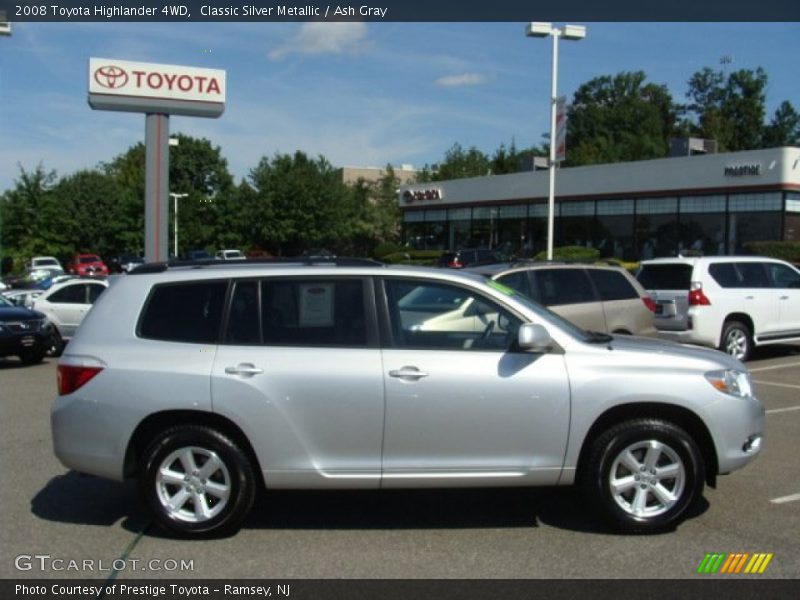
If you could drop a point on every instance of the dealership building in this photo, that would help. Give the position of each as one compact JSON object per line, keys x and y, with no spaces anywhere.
{"x":711,"y":203}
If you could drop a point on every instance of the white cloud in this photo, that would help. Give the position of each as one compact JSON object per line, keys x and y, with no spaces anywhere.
{"x":324,"y":38}
{"x":461,"y":80}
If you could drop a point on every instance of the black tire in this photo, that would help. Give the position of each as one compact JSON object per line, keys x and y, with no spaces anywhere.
{"x":639,"y":505}
{"x":231,"y":469}
{"x":55,"y":345}
{"x":736,"y":340}
{"x":32,"y":357}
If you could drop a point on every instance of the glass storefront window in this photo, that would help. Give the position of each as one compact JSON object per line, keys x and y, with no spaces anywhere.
{"x":755,"y":202}
{"x":656,"y":235}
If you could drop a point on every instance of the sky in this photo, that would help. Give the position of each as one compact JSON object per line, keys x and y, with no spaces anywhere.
{"x":359,"y":94}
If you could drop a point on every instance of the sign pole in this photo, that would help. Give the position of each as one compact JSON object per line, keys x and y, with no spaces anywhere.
{"x":156,"y":187}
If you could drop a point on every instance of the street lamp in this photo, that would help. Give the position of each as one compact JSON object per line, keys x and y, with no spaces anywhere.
{"x":568,"y":32}
{"x":175,"y":198}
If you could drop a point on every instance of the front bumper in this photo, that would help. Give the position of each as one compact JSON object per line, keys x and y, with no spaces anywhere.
{"x":738,"y":431}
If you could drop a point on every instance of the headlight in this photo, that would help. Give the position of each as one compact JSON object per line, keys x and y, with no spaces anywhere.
{"x":735,"y":383}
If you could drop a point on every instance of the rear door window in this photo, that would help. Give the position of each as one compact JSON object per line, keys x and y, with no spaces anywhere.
{"x":563,"y":286}
{"x":666,"y":277}
{"x":612,"y":285}
{"x":753,"y":275}
{"x":314,"y":312}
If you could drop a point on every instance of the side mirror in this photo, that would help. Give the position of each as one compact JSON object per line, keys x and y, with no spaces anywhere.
{"x":534,"y":338}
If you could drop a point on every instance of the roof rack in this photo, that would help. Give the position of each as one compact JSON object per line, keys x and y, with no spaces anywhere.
{"x":160,"y":267}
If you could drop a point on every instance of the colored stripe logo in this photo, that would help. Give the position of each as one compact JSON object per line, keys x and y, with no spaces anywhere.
{"x":735,"y":563}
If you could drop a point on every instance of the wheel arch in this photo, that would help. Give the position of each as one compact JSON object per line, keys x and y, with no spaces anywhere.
{"x":160,"y":421}
{"x":744,"y":318}
{"x":678,"y":415}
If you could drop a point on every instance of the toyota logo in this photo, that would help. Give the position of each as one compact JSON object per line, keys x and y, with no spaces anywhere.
{"x":111,"y":77}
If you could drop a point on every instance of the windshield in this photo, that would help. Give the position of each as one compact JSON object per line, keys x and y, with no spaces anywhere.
{"x":89,"y":258}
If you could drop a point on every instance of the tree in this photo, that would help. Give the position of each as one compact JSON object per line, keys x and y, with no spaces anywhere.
{"x":784,"y":128}
{"x":24,"y":229}
{"x":510,"y":160}
{"x":457,"y":164}
{"x":730,"y":110}
{"x":619,"y":118}
{"x":300,"y":203}
{"x":196,"y":168}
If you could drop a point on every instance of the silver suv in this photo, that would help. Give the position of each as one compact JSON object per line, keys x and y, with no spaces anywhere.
{"x":206,"y":383}
{"x":728,"y":302}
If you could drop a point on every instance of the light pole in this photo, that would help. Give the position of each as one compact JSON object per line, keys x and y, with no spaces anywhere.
{"x":568,"y":32}
{"x":175,"y":198}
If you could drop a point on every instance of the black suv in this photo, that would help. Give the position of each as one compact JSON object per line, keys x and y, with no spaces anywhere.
{"x":23,"y":332}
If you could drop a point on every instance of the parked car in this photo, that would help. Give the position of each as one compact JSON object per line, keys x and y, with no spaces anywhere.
{"x":87,"y":265}
{"x":231,"y":255}
{"x":24,"y":332}
{"x":66,"y":304}
{"x":204,"y":382}
{"x":38,"y":262}
{"x":123,"y":263}
{"x":197,"y":255}
{"x":594,"y":297}
{"x":733,"y":303}
{"x":458,"y":259}
{"x":22,"y":297}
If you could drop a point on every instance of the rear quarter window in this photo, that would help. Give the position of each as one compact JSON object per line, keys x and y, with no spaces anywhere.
{"x":666,"y":277}
{"x":184,"y":312}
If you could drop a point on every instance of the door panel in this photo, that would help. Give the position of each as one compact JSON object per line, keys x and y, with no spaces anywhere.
{"x":462,"y":408}
{"x":300,"y":369}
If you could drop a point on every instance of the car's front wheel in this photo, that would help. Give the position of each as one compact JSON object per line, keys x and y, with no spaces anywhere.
{"x":196,"y":481}
{"x":644,"y":474}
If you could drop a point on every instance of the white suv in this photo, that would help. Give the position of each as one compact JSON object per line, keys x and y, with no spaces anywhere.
{"x":728,"y":302}
{"x":209,"y":381}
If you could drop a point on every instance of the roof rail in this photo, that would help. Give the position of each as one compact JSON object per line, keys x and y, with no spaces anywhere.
{"x":160,"y":267}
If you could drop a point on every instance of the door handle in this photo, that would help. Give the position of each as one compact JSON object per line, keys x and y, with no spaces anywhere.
{"x":244,"y":369}
{"x":408,"y":373}
{"x":784,"y":297}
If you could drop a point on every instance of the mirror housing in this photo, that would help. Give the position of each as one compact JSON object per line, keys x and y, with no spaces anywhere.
{"x":534,"y":338}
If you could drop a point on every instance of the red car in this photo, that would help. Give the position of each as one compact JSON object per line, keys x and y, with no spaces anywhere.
{"x":87,"y":265}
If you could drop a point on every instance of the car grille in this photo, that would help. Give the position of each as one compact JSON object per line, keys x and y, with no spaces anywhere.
{"x":23,"y":326}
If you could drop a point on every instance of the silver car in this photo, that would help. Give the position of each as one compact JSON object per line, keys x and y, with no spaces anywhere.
{"x":208,"y":382}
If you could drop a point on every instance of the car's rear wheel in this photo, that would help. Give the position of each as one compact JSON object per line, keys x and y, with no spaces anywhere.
{"x":736,"y":340}
{"x":196,"y":481}
{"x":644,"y":474}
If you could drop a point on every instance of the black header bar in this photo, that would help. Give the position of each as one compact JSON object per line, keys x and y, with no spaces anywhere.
{"x":401,"y":10}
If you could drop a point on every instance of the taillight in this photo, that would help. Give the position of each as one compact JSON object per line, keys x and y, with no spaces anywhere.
{"x":454,"y":264}
{"x":71,"y":378}
{"x":648,"y":302}
{"x":696,"y":295}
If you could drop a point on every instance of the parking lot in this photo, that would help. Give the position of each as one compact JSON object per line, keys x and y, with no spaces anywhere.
{"x":57,"y":523}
